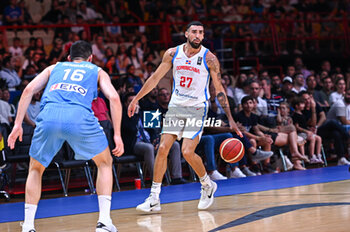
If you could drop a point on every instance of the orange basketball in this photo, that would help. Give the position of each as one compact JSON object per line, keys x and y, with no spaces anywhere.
{"x":232,"y":150}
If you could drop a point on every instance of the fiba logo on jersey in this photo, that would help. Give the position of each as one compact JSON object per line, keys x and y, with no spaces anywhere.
{"x":151,"y":119}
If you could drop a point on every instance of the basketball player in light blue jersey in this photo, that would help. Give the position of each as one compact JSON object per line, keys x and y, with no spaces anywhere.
{"x":192,"y":66}
{"x":66,"y":115}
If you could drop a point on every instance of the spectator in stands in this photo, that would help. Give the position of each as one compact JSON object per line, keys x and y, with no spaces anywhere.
{"x":6,"y":97}
{"x":337,"y":95}
{"x":56,"y":53}
{"x":110,"y":65}
{"x":300,"y":122}
{"x":133,"y":59}
{"x":71,"y":11}
{"x":273,"y":100}
{"x":98,"y":50}
{"x":121,"y":58}
{"x":322,"y":98}
{"x":87,"y":13}
{"x":29,"y":73}
{"x":55,"y":14}
{"x":114,"y":32}
{"x":340,"y":110}
{"x":300,"y":68}
{"x":150,"y":67}
{"x":30,"y":48}
{"x":238,"y":90}
{"x":101,"y":112}
{"x":311,"y":85}
{"x":9,"y":74}
{"x":298,"y":83}
{"x":79,"y":21}
{"x":226,"y":83}
{"x":276,"y":84}
{"x":290,"y":71}
{"x":33,"y":110}
{"x":40,"y":46}
{"x":134,"y":80}
{"x":261,"y":107}
{"x":16,"y":48}
{"x":150,"y":101}
{"x":13,"y":14}
{"x":5,"y":117}
{"x":287,"y":85}
{"x":328,"y":129}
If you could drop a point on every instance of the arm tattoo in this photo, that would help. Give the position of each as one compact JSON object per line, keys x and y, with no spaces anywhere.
{"x":222,"y":99}
{"x":172,"y":54}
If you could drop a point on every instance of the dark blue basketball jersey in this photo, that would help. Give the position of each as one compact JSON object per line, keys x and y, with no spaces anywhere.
{"x":72,"y":83}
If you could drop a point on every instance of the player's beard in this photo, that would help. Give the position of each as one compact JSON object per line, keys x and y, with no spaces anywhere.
{"x":193,"y":45}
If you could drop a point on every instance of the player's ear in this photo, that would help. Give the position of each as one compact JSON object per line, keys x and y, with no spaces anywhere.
{"x":69,"y":58}
{"x":186,"y":34}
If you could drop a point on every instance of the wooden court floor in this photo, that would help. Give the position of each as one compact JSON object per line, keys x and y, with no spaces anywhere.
{"x":313,"y":208}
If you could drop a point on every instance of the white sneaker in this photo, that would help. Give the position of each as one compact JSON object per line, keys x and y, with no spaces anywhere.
{"x":207,"y":196}
{"x":104,"y":228}
{"x":314,"y":160}
{"x":215,"y":175}
{"x":150,"y":204}
{"x":319,"y":157}
{"x":246,"y":171}
{"x":237,"y":173}
{"x":288,"y":163}
{"x":26,"y":228}
{"x":343,"y":161}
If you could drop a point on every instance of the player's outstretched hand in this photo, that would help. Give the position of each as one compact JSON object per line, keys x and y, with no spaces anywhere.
{"x":119,"y":146}
{"x":17,"y":132}
{"x":132,"y":108}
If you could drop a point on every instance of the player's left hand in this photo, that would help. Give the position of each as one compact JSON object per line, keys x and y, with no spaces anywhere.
{"x":119,"y":146}
{"x":17,"y":132}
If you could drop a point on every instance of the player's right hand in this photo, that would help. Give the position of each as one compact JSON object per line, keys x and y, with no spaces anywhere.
{"x":132,"y":108}
{"x":17,"y":132}
{"x":119,"y":146}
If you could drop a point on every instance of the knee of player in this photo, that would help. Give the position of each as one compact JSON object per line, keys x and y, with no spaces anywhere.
{"x":163,"y":150}
{"x":187,"y":153}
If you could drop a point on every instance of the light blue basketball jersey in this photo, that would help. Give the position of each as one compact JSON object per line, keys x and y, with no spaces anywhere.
{"x":72,"y":83}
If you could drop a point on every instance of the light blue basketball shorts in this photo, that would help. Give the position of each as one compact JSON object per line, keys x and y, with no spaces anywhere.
{"x":74,"y":124}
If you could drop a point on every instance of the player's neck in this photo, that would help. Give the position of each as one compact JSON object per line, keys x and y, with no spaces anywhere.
{"x":190,"y":51}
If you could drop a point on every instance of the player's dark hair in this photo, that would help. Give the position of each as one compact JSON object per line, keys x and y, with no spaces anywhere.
{"x":194,"y":23}
{"x":246,"y":98}
{"x":80,"y":49}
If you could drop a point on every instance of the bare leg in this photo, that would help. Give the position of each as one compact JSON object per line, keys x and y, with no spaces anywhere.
{"x":104,"y":184}
{"x":33,"y":184}
{"x":188,"y":148}
{"x":318,"y":144}
{"x":104,"y":181}
{"x":33,"y":193}
{"x":160,"y":164}
{"x":311,"y":146}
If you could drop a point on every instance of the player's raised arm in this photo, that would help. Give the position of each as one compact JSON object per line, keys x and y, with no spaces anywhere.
{"x":153,"y":80}
{"x":214,"y":68}
{"x":116,"y":110}
{"x":37,"y":84}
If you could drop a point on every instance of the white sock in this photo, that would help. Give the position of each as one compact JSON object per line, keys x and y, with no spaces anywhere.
{"x":29,"y":215}
{"x":104,"y":203}
{"x":205,"y":180}
{"x":155,"y":189}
